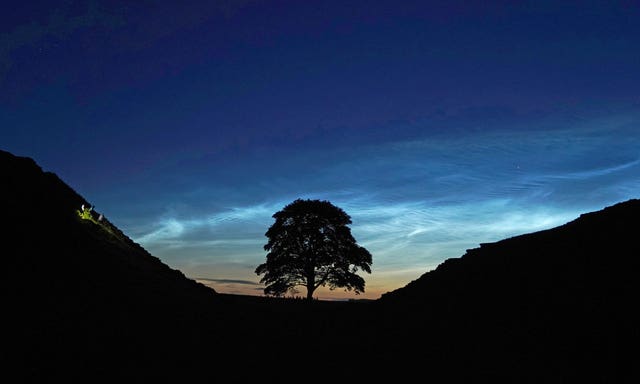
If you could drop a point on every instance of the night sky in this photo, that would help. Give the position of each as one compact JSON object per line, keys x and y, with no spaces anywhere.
{"x":435,"y":125}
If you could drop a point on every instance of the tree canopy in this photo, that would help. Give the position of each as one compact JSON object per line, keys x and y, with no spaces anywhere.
{"x":311,"y":245}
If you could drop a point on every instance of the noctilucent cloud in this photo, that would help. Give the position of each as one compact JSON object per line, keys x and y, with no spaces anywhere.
{"x":436,"y":125}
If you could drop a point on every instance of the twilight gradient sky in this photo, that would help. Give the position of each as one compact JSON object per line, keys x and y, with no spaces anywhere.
{"x":436,"y":125}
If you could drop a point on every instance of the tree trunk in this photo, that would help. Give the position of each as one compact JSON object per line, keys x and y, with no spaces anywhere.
{"x":311,"y":280}
{"x":310,"y":293}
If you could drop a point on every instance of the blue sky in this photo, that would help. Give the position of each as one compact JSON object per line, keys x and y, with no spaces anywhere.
{"x":436,"y":125}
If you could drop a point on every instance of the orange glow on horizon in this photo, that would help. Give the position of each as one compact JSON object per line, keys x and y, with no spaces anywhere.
{"x":321,"y":293}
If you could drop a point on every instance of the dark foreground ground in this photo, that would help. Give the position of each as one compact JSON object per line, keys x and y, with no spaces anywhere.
{"x":247,"y":339}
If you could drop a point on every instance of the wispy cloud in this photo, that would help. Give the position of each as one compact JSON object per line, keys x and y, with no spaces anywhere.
{"x":416,"y":203}
{"x":173,"y":230}
{"x":228,"y":281}
{"x":235,"y":286}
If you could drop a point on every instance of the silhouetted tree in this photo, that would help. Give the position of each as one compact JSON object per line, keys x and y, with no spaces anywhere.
{"x":311,"y":245}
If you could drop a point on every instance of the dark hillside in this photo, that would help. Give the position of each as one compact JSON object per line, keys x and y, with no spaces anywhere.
{"x":553,"y":306}
{"x":77,"y":288}
{"x":47,"y":228}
